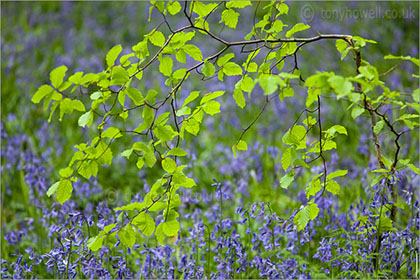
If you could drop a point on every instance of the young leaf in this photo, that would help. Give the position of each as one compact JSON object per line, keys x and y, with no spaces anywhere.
{"x":337,"y":173}
{"x":86,"y":119}
{"x":112,"y":55}
{"x":239,"y":98}
{"x":208,"y":69}
{"x":232,"y":69}
{"x":165,"y":66}
{"x":111,"y":132}
{"x":224,"y":59}
{"x":333,"y":187}
{"x":179,"y":152}
{"x":43,"y":91}
{"x":173,"y":7}
{"x":212,"y":107}
{"x":145,"y":223}
{"x":157,"y":38}
{"x":171,"y":227}
{"x":191,"y":97}
{"x":53,"y":189}
{"x":309,"y":212}
{"x":135,"y":95}
{"x":296,"y":28}
{"x":313,"y":188}
{"x":95,"y":243}
{"x":64,"y":190}
{"x":238,"y":4}
{"x":242,"y":146}
{"x":286,"y":180}
{"x":230,"y":18}
{"x":193,"y":51}
{"x":169,"y":165}
{"x":127,"y":236}
{"x":378,"y":127}
{"x":286,"y":158}
{"x":57,"y":76}
{"x":357,"y":111}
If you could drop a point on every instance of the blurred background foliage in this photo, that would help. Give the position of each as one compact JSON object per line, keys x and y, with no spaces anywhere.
{"x":38,"y":36}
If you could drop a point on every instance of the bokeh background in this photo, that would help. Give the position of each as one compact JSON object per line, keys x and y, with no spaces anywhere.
{"x":38,"y":36}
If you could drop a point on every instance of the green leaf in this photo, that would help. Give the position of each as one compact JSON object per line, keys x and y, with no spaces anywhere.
{"x":181,"y":56}
{"x":127,"y":236}
{"x":112,"y":55}
{"x":333,"y":187}
{"x":169,"y":165}
{"x":242,"y":146}
{"x":119,"y":76}
{"x":88,"y":168}
{"x":414,"y":168}
{"x":298,"y":27}
{"x":180,"y":73}
{"x":282,"y":8}
{"x":337,"y":173}
{"x":357,"y":111}
{"x":148,"y":115}
{"x":57,"y":76}
{"x":341,"y":86}
{"x":157,"y":38}
{"x":95,"y":243}
{"x":208,"y":69}
{"x":309,"y":212}
{"x":43,"y":91}
{"x":135,"y":95}
{"x":369,"y":72}
{"x":192,"y":126}
{"x":202,"y":9}
{"x":286,"y":92}
{"x":165,"y":133}
{"x":111,"y":132}
{"x":173,"y":7}
{"x":53,"y":189}
{"x":295,"y":136}
{"x":224,"y":59}
{"x":212,"y":107}
{"x":230,"y":18}
{"x":86,"y":119}
{"x":193,"y":51}
{"x":66,"y":172}
{"x":165,"y":66}
{"x":378,"y":126}
{"x":238,"y":4}
{"x":247,"y":84}
{"x":191,"y":97}
{"x":145,"y":223}
{"x":140,"y":163}
{"x":341,"y":45}
{"x":178,"y":152}
{"x":171,"y":228}
{"x":210,"y":96}
{"x":270,"y":83}
{"x":64,"y":190}
{"x":412,"y":59}
{"x":149,"y":155}
{"x":232,"y":69}
{"x":159,"y":234}
{"x":286,"y":158}
{"x":239,"y":98}
{"x":286,"y":180}
{"x":313,"y":187}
